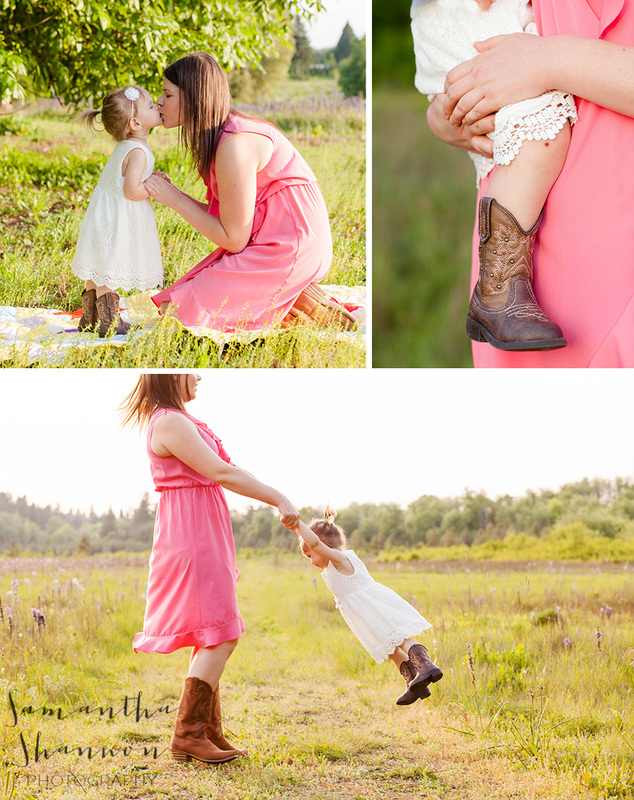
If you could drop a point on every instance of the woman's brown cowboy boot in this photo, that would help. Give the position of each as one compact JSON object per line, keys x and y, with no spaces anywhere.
{"x":189,"y":739}
{"x":503,"y":309}
{"x":89,"y":312}
{"x":408,"y":697}
{"x":214,"y":730}
{"x":424,"y":669}
{"x":313,"y":303}
{"x":107,"y":310}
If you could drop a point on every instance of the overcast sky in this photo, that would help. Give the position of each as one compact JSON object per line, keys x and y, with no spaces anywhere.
{"x":326,"y":30}
{"x":327,"y":436}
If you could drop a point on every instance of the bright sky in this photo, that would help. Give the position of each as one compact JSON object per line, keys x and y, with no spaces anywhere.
{"x":326,"y":30}
{"x":327,"y":436}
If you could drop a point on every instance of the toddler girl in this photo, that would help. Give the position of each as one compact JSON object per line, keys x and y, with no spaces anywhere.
{"x":382,"y":621}
{"x":118,"y":244}
{"x":530,"y":143}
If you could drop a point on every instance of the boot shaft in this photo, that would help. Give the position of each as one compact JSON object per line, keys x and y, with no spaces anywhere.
{"x":505,"y":250}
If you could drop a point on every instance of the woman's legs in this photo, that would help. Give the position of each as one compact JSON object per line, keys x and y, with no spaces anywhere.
{"x":208,"y":663}
{"x":523,"y":185}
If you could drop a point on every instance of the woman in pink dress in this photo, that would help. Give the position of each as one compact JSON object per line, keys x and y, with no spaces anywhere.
{"x":584,"y":253}
{"x":264,"y":210}
{"x":192,"y":594}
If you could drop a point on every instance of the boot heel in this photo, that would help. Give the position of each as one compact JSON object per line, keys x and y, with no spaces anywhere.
{"x":183,"y":757}
{"x":473,"y":331}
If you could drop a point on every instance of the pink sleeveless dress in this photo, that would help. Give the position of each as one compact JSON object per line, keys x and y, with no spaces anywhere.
{"x":584,"y":254}
{"x":192,"y":594}
{"x":290,"y":246}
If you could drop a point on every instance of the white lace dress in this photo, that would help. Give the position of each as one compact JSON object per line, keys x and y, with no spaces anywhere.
{"x":377,"y":616}
{"x":444,"y":32}
{"x":118,"y":243}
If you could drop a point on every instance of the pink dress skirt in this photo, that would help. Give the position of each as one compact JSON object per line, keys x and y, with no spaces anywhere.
{"x":290,"y":247}
{"x":584,"y":254}
{"x":192,"y":596}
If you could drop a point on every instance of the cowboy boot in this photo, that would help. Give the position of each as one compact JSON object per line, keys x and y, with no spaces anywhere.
{"x":107,"y":307}
{"x":214,"y":730}
{"x":189,"y":739}
{"x":89,"y":313}
{"x":408,"y":697}
{"x":424,"y":669}
{"x":503,"y":310}
{"x":313,"y":303}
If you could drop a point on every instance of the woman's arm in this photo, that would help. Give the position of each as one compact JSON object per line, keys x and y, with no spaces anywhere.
{"x":238,"y":160}
{"x":165,"y":177}
{"x":512,"y":68}
{"x":314,"y":542}
{"x":132,"y":170}
{"x":175,"y":435}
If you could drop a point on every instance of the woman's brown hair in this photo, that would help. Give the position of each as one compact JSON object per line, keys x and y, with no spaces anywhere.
{"x":205,"y":104}
{"x":152,"y":391}
{"x":329,"y":533}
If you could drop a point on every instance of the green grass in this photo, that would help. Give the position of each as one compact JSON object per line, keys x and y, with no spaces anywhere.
{"x":48,"y":172}
{"x":423,"y":214}
{"x":543,"y":712}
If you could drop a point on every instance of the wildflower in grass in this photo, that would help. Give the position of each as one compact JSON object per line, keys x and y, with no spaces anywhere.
{"x":471,"y":668}
{"x":14,"y":585}
{"x":566,"y":641}
{"x":597,"y":636}
{"x":606,"y":612}
{"x":39,"y":618}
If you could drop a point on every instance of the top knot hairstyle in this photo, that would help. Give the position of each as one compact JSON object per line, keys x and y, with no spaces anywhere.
{"x":329,"y":533}
{"x":205,"y":104}
{"x":116,"y":112}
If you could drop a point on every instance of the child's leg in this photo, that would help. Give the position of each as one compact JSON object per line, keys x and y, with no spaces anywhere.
{"x":523,"y":185}
{"x":99,"y":290}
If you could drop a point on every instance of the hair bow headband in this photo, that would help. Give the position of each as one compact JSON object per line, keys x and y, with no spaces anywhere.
{"x":132,"y":94}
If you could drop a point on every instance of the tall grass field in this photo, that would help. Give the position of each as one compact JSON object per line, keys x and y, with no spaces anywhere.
{"x":49,"y":166}
{"x":536,"y":699}
{"x":424,"y":200}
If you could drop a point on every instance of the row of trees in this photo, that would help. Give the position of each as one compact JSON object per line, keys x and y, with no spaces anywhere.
{"x":604,"y":507}
{"x":80,"y":49}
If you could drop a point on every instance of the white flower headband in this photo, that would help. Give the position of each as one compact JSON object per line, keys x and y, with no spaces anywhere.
{"x":132,"y":93}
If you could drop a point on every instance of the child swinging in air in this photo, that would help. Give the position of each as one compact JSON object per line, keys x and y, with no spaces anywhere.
{"x":383,"y":622}
{"x":118,"y":244}
{"x":530,"y":144}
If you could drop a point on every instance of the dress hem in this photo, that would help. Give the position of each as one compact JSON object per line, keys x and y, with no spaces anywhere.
{"x":204,"y":637}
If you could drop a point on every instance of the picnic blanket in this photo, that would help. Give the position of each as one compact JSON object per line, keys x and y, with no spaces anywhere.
{"x":46,"y":333}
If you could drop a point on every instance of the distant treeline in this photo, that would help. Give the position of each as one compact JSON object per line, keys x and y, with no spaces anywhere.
{"x":597,"y":507}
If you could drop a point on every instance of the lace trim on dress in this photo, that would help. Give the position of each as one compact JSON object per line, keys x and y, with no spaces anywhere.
{"x":536,"y":119}
{"x":390,"y":645}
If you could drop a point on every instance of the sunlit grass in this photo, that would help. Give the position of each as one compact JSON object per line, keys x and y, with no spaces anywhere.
{"x":544,"y":710}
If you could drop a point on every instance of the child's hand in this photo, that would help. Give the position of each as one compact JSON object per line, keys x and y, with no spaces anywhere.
{"x":162,"y":175}
{"x":484,"y":4}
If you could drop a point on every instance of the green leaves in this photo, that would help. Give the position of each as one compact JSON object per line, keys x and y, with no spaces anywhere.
{"x":81,"y":49}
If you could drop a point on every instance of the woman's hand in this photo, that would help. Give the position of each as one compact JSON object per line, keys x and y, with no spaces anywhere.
{"x":508,"y":69}
{"x":162,"y":190}
{"x":289,"y":515}
{"x":468,"y":137}
{"x":162,"y":175}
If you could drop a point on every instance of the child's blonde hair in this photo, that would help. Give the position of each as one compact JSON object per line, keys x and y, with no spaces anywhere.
{"x":329,"y":533}
{"x":116,"y":112}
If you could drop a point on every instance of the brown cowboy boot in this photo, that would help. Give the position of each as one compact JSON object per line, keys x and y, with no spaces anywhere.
{"x":189,"y":739}
{"x":107,"y":308}
{"x":408,"y":697}
{"x":214,"y":730}
{"x":89,"y":312}
{"x":424,"y":669}
{"x":313,"y":303}
{"x":503,"y":309}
